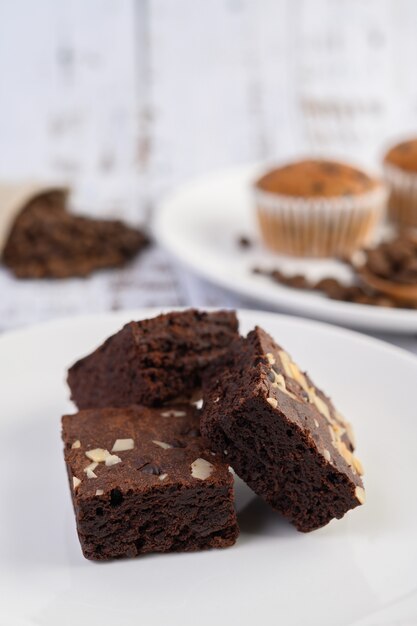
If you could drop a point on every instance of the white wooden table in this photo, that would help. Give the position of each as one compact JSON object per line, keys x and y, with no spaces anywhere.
{"x":125,"y":99}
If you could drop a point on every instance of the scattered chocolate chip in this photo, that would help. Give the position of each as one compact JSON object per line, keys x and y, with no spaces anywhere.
{"x":298,"y":281}
{"x":378,"y":263}
{"x":331,"y":287}
{"x":244,"y":242}
{"x":394,"y":261}
{"x":116,"y":497}
{"x":317,"y":187}
{"x":278,"y":276}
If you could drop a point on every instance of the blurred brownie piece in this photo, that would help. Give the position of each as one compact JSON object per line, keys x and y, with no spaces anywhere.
{"x":153,"y":361}
{"x":142,"y":481}
{"x":46,"y":241}
{"x":282,"y":435}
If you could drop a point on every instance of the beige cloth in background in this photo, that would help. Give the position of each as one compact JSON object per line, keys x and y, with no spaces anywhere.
{"x":14,"y":197}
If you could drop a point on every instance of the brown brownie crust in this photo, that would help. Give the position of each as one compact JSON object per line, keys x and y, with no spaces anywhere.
{"x":153,"y":361}
{"x":157,"y":487}
{"x":317,"y":178}
{"x":282,"y":435}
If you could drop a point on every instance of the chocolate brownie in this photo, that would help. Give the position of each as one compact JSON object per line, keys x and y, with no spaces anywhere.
{"x":142,"y":481}
{"x":46,"y":241}
{"x":153,"y":361}
{"x":282,"y":435}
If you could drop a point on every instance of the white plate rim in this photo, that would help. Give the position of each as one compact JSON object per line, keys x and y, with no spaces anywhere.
{"x":281,"y":298}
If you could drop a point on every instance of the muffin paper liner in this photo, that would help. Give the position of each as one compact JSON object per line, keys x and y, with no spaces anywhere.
{"x":319,"y":227}
{"x":13,"y":198}
{"x":402,"y":204}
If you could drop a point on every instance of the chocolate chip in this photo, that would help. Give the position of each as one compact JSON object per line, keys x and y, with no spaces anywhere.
{"x":317,"y":186}
{"x":353,"y":292}
{"x":244,"y":242}
{"x":331,"y":287}
{"x":278,"y":276}
{"x":116,"y":497}
{"x":378,"y":263}
{"x":153,"y":470}
{"x":298,"y":281}
{"x":394,"y":260}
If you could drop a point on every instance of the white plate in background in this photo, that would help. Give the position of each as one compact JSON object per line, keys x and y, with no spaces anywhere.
{"x":362,"y":565}
{"x":200,"y":225}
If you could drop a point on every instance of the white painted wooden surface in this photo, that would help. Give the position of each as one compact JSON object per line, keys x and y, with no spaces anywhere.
{"x":125,"y":99}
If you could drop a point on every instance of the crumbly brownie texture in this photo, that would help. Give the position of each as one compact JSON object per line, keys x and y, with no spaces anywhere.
{"x":142,"y":481}
{"x":316,"y":178}
{"x":282,"y":435}
{"x":153,"y":361}
{"x":48,"y":242}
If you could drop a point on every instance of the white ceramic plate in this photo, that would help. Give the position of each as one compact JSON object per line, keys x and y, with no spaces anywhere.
{"x":200,"y":225}
{"x":274,"y":575}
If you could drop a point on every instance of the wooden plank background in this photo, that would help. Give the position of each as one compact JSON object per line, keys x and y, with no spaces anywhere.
{"x":125,"y":99}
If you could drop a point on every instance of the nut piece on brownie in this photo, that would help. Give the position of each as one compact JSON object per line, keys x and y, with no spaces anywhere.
{"x":146,"y":497}
{"x":153,"y":361}
{"x":282,"y":435}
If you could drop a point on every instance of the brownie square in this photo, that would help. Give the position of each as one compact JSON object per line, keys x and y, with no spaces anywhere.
{"x":142,"y":481}
{"x":281,"y":434}
{"x":153,"y":361}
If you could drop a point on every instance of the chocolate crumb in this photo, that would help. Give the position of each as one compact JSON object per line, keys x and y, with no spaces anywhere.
{"x":244,"y":242}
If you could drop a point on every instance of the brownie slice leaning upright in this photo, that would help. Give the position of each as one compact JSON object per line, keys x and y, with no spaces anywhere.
{"x":142,"y":481}
{"x":282,"y":435}
{"x":153,"y":361}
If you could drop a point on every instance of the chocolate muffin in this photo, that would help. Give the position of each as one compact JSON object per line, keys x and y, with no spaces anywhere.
{"x":400,"y":170}
{"x":318,"y":208}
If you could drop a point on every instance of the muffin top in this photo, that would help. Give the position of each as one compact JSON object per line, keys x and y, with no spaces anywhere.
{"x":317,"y":179}
{"x":403,"y":155}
